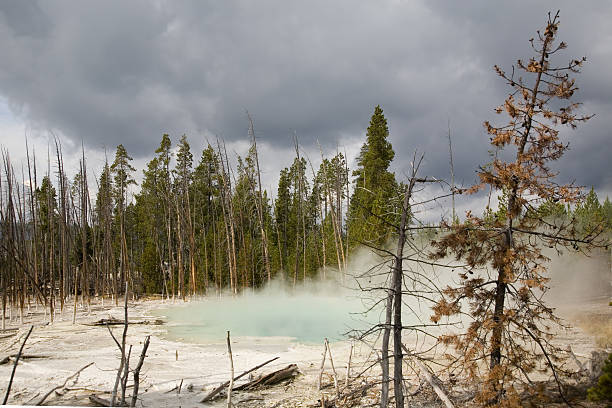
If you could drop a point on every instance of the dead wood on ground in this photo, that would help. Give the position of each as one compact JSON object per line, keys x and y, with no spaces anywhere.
{"x":270,"y":379}
{"x":7,"y":359}
{"x":118,"y":322}
{"x":213,"y":394}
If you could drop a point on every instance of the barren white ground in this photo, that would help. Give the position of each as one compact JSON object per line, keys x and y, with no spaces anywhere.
{"x":67,"y":347}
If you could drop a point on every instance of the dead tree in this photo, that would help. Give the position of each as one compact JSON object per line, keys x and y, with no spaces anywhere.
{"x":121,"y":371}
{"x":510,"y":328}
{"x":259,"y":202}
{"x":406,"y":281}
{"x":137,"y":371}
{"x":10,"y":383}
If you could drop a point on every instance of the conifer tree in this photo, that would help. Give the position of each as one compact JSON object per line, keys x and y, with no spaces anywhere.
{"x":182,"y":182}
{"x":122,"y":169}
{"x":104,"y":221}
{"x":205,"y":188}
{"x":509,"y":332}
{"x":164,"y":156}
{"x":150,"y":222}
{"x":375,"y":187}
{"x":282,"y":212}
{"x":589,"y":213}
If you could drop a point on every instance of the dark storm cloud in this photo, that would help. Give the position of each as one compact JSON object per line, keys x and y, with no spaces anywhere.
{"x":126,"y":72}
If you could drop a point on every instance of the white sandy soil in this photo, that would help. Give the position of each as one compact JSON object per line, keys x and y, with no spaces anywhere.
{"x":64,"y":348}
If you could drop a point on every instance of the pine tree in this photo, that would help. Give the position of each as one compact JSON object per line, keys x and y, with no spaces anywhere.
{"x":375,"y":187}
{"x":589,"y":213}
{"x":122,"y":178}
{"x":205,"y":188}
{"x":282,"y":211}
{"x":104,"y":221}
{"x":503,"y":283}
{"x":182,"y":182}
{"x":606,"y":210}
{"x":164,"y":156}
{"x":150,"y":221}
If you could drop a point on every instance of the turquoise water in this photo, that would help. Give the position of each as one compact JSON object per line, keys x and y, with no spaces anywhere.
{"x":306,"y":316}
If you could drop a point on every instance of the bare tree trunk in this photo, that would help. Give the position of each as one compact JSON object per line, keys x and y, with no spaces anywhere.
{"x":228,"y":212}
{"x":63,"y":215}
{"x":384,"y":362}
{"x":179,"y":253}
{"x":280,"y":248}
{"x":398,"y":273}
{"x":348,"y":204}
{"x":394,"y":307}
{"x":259,"y":204}
{"x":193,"y":249}
{"x":137,"y":371}
{"x":231,"y":383}
{"x":8,"y":387}
{"x":498,"y":311}
{"x":170,"y":256}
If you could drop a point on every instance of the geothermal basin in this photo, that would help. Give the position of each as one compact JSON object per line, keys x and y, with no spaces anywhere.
{"x":304,"y":315}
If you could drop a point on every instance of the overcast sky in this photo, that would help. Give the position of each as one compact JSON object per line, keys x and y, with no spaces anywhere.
{"x":111,"y":72}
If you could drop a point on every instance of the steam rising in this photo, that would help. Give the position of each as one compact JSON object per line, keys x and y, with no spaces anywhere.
{"x":317,"y":309}
{"x":307,"y":314}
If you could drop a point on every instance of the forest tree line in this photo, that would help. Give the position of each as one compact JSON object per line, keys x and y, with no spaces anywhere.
{"x":200,"y":226}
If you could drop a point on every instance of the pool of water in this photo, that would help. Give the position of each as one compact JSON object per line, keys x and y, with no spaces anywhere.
{"x":306,"y":316}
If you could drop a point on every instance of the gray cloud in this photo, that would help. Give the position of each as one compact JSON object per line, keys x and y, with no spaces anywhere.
{"x":126,"y":72}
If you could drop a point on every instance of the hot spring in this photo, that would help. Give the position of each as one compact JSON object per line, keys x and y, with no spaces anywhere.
{"x":277,"y":315}
{"x":305,"y":315}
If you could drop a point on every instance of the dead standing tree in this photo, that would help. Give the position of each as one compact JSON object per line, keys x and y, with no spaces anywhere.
{"x":509,"y":322}
{"x":259,"y":201}
{"x":124,"y":366}
{"x":407,"y":281}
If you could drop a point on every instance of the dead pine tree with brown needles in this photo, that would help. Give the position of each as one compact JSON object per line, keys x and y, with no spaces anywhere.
{"x":510,"y":328}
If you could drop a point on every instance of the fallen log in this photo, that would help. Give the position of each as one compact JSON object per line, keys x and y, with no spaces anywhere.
{"x":102,"y":402}
{"x":118,"y":322}
{"x":271,"y":379}
{"x":434,"y":381}
{"x":7,"y":359}
{"x":211,"y":395}
{"x":6,"y":336}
